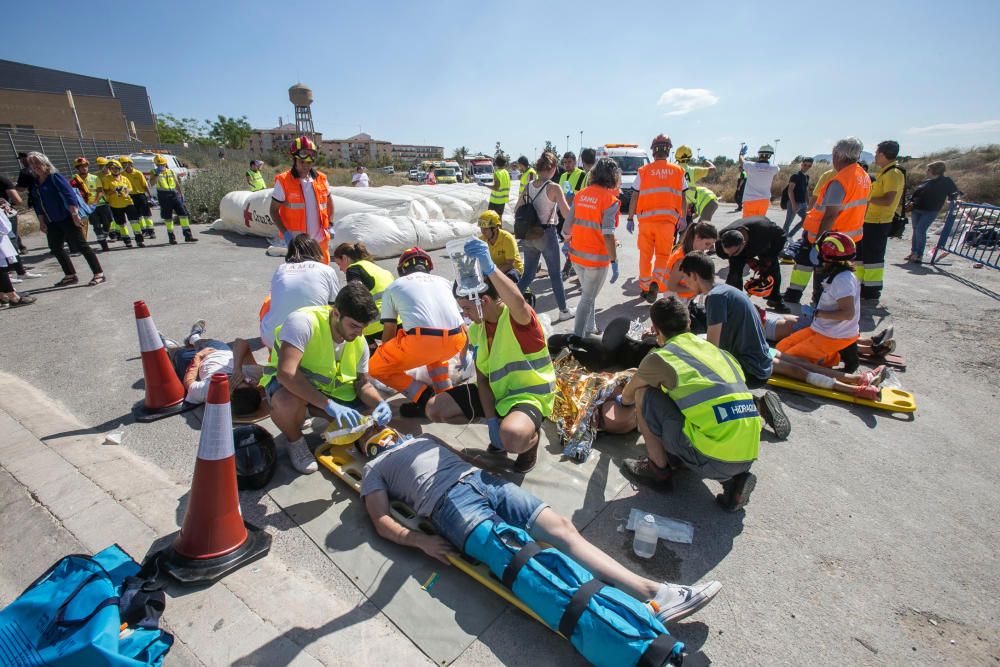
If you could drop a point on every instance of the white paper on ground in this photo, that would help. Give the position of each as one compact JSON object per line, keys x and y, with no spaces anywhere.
{"x":672,"y":530}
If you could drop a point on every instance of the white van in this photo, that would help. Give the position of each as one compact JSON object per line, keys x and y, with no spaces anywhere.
{"x":144,"y":163}
{"x":629,"y":158}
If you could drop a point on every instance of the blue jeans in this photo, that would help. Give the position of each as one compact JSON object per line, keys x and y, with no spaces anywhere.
{"x":185,"y":355}
{"x":534,"y":250}
{"x":922,"y":221}
{"x":790,"y":214}
{"x":478,"y":497}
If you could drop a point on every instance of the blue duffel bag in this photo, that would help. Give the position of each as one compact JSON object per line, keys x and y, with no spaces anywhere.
{"x":608,"y":627}
{"x":87,"y":611}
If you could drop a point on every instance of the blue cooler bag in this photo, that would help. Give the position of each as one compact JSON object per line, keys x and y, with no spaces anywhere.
{"x":86,"y":611}
{"x":608,"y":627}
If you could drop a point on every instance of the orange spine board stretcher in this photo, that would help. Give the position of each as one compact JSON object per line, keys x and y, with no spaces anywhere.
{"x":344,"y":462}
{"x":892,"y":400}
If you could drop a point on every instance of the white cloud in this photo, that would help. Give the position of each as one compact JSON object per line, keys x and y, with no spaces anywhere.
{"x":686,"y":100}
{"x":957,"y":128}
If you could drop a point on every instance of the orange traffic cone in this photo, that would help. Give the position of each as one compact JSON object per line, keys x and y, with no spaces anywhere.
{"x":164,"y":391}
{"x":214,"y":539}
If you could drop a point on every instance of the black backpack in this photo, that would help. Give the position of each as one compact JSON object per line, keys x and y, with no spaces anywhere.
{"x":899,"y":219}
{"x":527,"y":224}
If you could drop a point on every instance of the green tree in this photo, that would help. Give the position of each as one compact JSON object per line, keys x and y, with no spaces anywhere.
{"x":460,"y":154}
{"x":721,"y":161}
{"x":230,"y":132}
{"x":551,"y":147}
{"x":173,"y":130}
{"x":499,"y":152}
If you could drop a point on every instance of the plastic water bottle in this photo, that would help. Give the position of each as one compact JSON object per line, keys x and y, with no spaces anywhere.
{"x":646,"y":536}
{"x":468,"y":274}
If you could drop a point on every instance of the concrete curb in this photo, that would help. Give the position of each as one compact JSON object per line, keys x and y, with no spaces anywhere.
{"x":103,"y":494}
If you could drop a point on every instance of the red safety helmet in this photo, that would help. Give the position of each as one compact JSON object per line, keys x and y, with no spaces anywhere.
{"x":759,"y":286}
{"x":661,"y":140}
{"x":302,"y":144}
{"x":836,"y":247}
{"x":412,"y":257}
{"x":80,"y":161}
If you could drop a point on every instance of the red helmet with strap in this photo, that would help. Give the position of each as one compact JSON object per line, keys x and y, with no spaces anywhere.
{"x":759,"y":286}
{"x":302,"y":144}
{"x":412,"y":257}
{"x":80,"y":161}
{"x":836,"y":247}
{"x":661,"y":140}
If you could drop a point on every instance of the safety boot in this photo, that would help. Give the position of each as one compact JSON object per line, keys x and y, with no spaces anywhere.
{"x":139,"y":240}
{"x":188,"y":236}
{"x":172,"y":238}
{"x":127,"y":241}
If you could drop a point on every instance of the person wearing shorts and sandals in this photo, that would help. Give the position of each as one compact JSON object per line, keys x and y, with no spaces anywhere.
{"x":835,"y":325}
{"x":515,"y":381}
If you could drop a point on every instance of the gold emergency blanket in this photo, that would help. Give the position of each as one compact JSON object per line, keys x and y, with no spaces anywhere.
{"x":579,"y":396}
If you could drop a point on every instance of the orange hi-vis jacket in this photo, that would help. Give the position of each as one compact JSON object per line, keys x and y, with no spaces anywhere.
{"x":851,"y":218}
{"x":661,"y":193}
{"x":674,"y":268}
{"x":586,"y":244}
{"x":293,"y":209}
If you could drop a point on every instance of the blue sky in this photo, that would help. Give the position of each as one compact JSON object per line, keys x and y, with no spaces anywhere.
{"x":471,"y":73}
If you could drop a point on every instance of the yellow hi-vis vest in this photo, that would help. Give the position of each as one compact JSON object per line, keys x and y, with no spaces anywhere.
{"x":720,"y":418}
{"x":514,"y":377}
{"x":382,"y":280}
{"x":256,"y":180}
{"x":165,"y":180}
{"x":527,"y":177}
{"x":502,"y":181}
{"x":332,"y":377}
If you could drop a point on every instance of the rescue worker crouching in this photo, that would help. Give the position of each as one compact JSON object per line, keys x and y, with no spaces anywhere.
{"x":357,"y":264}
{"x":319,"y":366}
{"x":423,"y":328}
{"x":301,"y":202}
{"x":170,"y":197}
{"x":515,"y":381}
{"x":695,"y":410}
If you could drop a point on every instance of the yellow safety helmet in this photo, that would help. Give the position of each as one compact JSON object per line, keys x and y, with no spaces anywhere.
{"x":377,"y":443}
{"x":115,"y":163}
{"x":336,"y":435}
{"x":102,"y":161}
{"x":125,"y":159}
{"x":683,"y":153}
{"x":159,"y":159}
{"x":489,"y":219}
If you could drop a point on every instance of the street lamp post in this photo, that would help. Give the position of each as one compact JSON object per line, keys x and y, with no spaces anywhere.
{"x":567,"y":143}
{"x":581,"y":141}
{"x":776,"y":141}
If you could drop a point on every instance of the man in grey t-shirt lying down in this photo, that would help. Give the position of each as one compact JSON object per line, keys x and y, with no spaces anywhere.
{"x":456,"y":496}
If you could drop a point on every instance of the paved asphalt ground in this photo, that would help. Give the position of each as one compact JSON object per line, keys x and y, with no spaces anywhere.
{"x":872,"y":538}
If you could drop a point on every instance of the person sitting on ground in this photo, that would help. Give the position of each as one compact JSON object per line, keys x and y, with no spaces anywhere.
{"x":758,"y":242}
{"x":319,"y":366}
{"x":515,"y":381}
{"x":431,"y":332}
{"x":303,"y":280}
{"x":834,"y":326}
{"x":503,"y":247}
{"x":734,"y":325}
{"x":358,"y":264}
{"x":699,"y":237}
{"x":695,"y":410}
{"x":200,"y":358}
{"x":456,"y":497}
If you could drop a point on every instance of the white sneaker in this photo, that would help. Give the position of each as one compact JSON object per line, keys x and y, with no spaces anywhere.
{"x":33,"y":274}
{"x":684,"y":601}
{"x":564,"y":315}
{"x":15,"y":279}
{"x":302,"y":457}
{"x":197,"y":331}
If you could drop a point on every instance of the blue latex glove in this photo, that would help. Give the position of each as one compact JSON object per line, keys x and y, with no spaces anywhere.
{"x":630,"y":226}
{"x":287,"y":236}
{"x":494,"y":425}
{"x":477,"y":248}
{"x":565,"y":247}
{"x":814,"y":256}
{"x":382,"y":414}
{"x":344,"y":416}
{"x":614,"y":272}
{"x":808,"y":312}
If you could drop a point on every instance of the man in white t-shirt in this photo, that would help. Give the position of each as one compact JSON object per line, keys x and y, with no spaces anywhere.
{"x":360,"y":178}
{"x":301,"y":202}
{"x":303,"y":280}
{"x":760,"y":174}
{"x":432,"y":331}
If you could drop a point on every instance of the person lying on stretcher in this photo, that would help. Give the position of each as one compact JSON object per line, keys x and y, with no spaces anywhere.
{"x":810,"y":352}
{"x":456,"y":497}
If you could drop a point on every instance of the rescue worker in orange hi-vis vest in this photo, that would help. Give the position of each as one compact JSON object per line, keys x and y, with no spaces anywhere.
{"x":659,"y":201}
{"x":590,"y":233}
{"x":840,"y":207}
{"x":301,"y":202}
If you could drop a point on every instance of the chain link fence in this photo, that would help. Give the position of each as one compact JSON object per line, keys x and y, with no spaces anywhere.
{"x":60,"y":150}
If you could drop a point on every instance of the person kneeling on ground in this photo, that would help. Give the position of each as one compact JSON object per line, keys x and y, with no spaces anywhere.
{"x":734,"y":326}
{"x":319,"y":366}
{"x":199,"y":358}
{"x":457,"y":497}
{"x":834,"y":326}
{"x":757,"y":242}
{"x":515,"y":381}
{"x":695,"y":410}
{"x":503,"y":247}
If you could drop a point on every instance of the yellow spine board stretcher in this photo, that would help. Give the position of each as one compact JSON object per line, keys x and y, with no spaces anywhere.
{"x":344,"y":462}
{"x":893,"y":400}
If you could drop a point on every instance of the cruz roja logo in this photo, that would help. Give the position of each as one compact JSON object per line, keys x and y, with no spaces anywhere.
{"x":251,"y":216}
{"x":735,"y":410}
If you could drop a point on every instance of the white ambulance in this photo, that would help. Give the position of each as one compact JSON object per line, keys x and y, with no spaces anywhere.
{"x":629,"y":158}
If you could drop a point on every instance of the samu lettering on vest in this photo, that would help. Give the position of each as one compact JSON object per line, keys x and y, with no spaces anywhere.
{"x":744,"y":409}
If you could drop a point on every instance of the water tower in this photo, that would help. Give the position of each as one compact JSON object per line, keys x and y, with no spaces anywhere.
{"x":302,"y":98}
